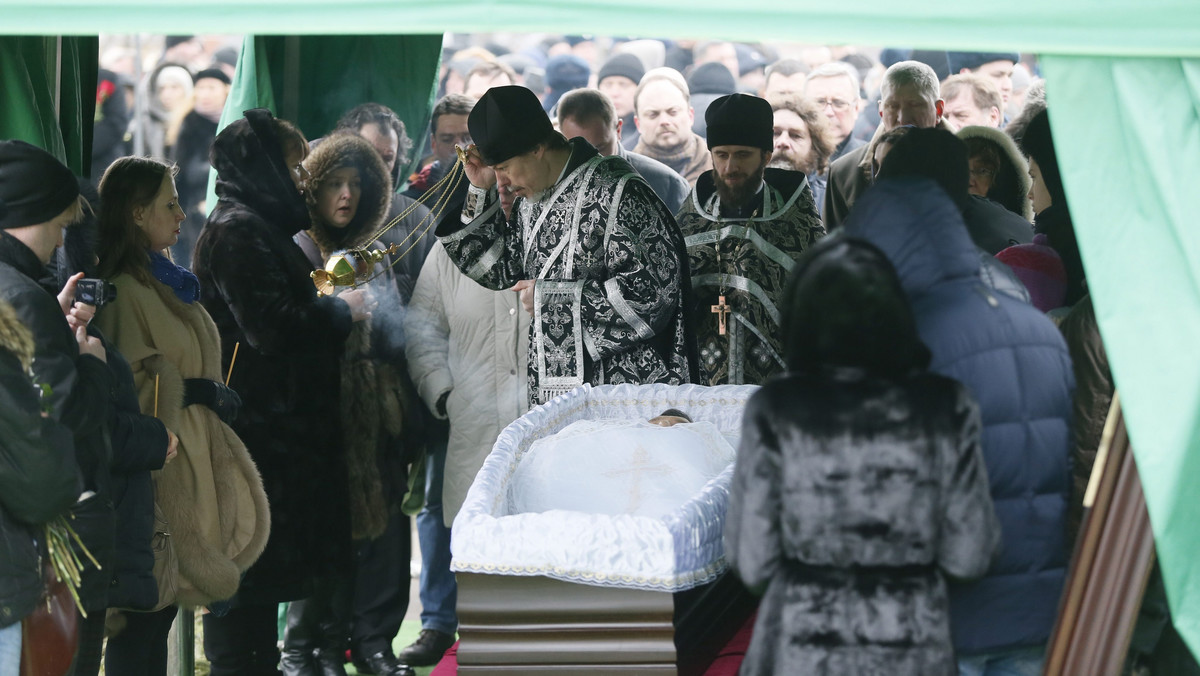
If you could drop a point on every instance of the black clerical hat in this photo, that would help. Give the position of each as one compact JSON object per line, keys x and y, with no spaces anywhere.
{"x":740,"y":120}
{"x":509,"y":121}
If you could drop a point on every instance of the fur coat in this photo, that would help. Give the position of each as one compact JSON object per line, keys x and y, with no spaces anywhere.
{"x":851,"y":496}
{"x":211,"y":494}
{"x":374,"y":399}
{"x":256,"y":284}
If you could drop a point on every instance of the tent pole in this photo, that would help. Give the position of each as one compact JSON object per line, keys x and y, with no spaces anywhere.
{"x":58,"y":78}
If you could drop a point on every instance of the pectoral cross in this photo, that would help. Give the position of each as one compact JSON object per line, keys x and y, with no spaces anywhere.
{"x":721,"y":310}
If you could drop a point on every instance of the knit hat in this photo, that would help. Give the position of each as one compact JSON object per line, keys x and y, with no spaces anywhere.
{"x":566,"y":72}
{"x":749,"y":58}
{"x":711,"y":78}
{"x":1038,"y":144}
{"x":1040,"y":269}
{"x":227,"y":56}
{"x":740,"y":120}
{"x":176,"y":40}
{"x":35,"y":186}
{"x":507,"y":121}
{"x":213,"y":73}
{"x":622,"y":65}
{"x":934,"y":59}
{"x":893,"y":55}
{"x":972,"y":60}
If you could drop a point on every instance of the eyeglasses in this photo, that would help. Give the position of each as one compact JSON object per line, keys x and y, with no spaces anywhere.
{"x":982,"y":173}
{"x":837,"y":104}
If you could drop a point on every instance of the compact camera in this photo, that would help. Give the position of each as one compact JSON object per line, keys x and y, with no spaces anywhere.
{"x":95,"y":292}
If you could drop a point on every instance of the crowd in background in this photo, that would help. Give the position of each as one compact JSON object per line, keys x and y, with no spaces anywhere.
{"x":231,"y":378}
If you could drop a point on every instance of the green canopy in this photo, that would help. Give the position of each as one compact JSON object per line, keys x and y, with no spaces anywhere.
{"x":33,"y":109}
{"x":312,"y":80}
{"x":1123,"y":84}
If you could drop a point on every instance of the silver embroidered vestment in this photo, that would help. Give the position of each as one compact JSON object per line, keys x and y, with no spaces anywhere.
{"x":746,"y":260}
{"x":606,"y":255}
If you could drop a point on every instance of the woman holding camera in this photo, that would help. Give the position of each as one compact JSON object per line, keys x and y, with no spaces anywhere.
{"x":211,"y":496}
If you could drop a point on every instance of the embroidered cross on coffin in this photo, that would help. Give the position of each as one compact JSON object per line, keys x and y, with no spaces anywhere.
{"x":721,"y":310}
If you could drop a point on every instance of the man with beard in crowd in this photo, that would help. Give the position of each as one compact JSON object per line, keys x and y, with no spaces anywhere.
{"x":834,"y":88}
{"x":590,"y":114}
{"x":596,"y":256}
{"x":664,"y":116}
{"x":803,"y":141}
{"x":744,"y":226}
{"x":910,"y":95}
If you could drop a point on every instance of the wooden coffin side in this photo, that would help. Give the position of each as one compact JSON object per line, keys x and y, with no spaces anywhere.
{"x":511,"y":624}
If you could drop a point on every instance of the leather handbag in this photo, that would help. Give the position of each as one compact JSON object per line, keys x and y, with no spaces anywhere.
{"x":166,"y":562}
{"x":50,"y":634}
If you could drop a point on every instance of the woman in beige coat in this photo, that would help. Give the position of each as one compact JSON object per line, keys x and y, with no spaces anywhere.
{"x":211,"y":497}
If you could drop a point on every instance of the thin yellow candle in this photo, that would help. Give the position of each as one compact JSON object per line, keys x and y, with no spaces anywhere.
{"x":231,"y":360}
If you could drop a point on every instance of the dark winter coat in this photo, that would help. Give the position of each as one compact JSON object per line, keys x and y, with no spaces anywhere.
{"x":81,"y":396}
{"x":847,"y":182}
{"x":859,"y":482}
{"x":414,"y":234}
{"x":190,"y":152}
{"x":378,"y":399}
{"x":994,"y":228}
{"x":670,"y":187}
{"x":255,"y":284}
{"x":1094,"y":388}
{"x":38,"y":479}
{"x":1055,"y":222}
{"x":828,"y":501}
{"x":112,"y":119}
{"x":1015,"y":364}
{"x":139,"y":446}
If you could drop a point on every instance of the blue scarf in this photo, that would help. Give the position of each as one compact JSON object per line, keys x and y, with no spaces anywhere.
{"x":181,"y":280}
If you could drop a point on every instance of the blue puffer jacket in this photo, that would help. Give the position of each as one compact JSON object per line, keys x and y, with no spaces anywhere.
{"x":1017,"y":366}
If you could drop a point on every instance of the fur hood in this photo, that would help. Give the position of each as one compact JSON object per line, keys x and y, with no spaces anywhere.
{"x":252,"y":176}
{"x":339,"y":151}
{"x":1018,"y":202}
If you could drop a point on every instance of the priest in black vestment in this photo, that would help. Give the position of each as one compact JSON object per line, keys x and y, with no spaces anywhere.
{"x":597,"y":257}
{"x":745,"y":225}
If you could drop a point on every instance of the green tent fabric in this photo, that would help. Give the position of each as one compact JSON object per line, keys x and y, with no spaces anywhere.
{"x":29,"y":71}
{"x":1128,"y":132}
{"x":1114,"y":27}
{"x":312,"y":80}
{"x":1124,"y":86}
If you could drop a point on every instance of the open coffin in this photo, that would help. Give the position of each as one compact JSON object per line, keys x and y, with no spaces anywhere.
{"x":634,"y":584}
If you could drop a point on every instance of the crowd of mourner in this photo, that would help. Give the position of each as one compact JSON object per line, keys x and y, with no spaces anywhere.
{"x":881,"y":240}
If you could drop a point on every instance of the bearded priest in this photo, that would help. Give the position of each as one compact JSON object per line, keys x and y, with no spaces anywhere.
{"x":744,"y":226}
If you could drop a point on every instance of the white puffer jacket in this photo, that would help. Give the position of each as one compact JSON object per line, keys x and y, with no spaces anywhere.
{"x":470,"y":342}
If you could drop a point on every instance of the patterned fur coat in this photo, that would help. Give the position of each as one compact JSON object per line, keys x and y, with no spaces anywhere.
{"x":852,"y":497}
